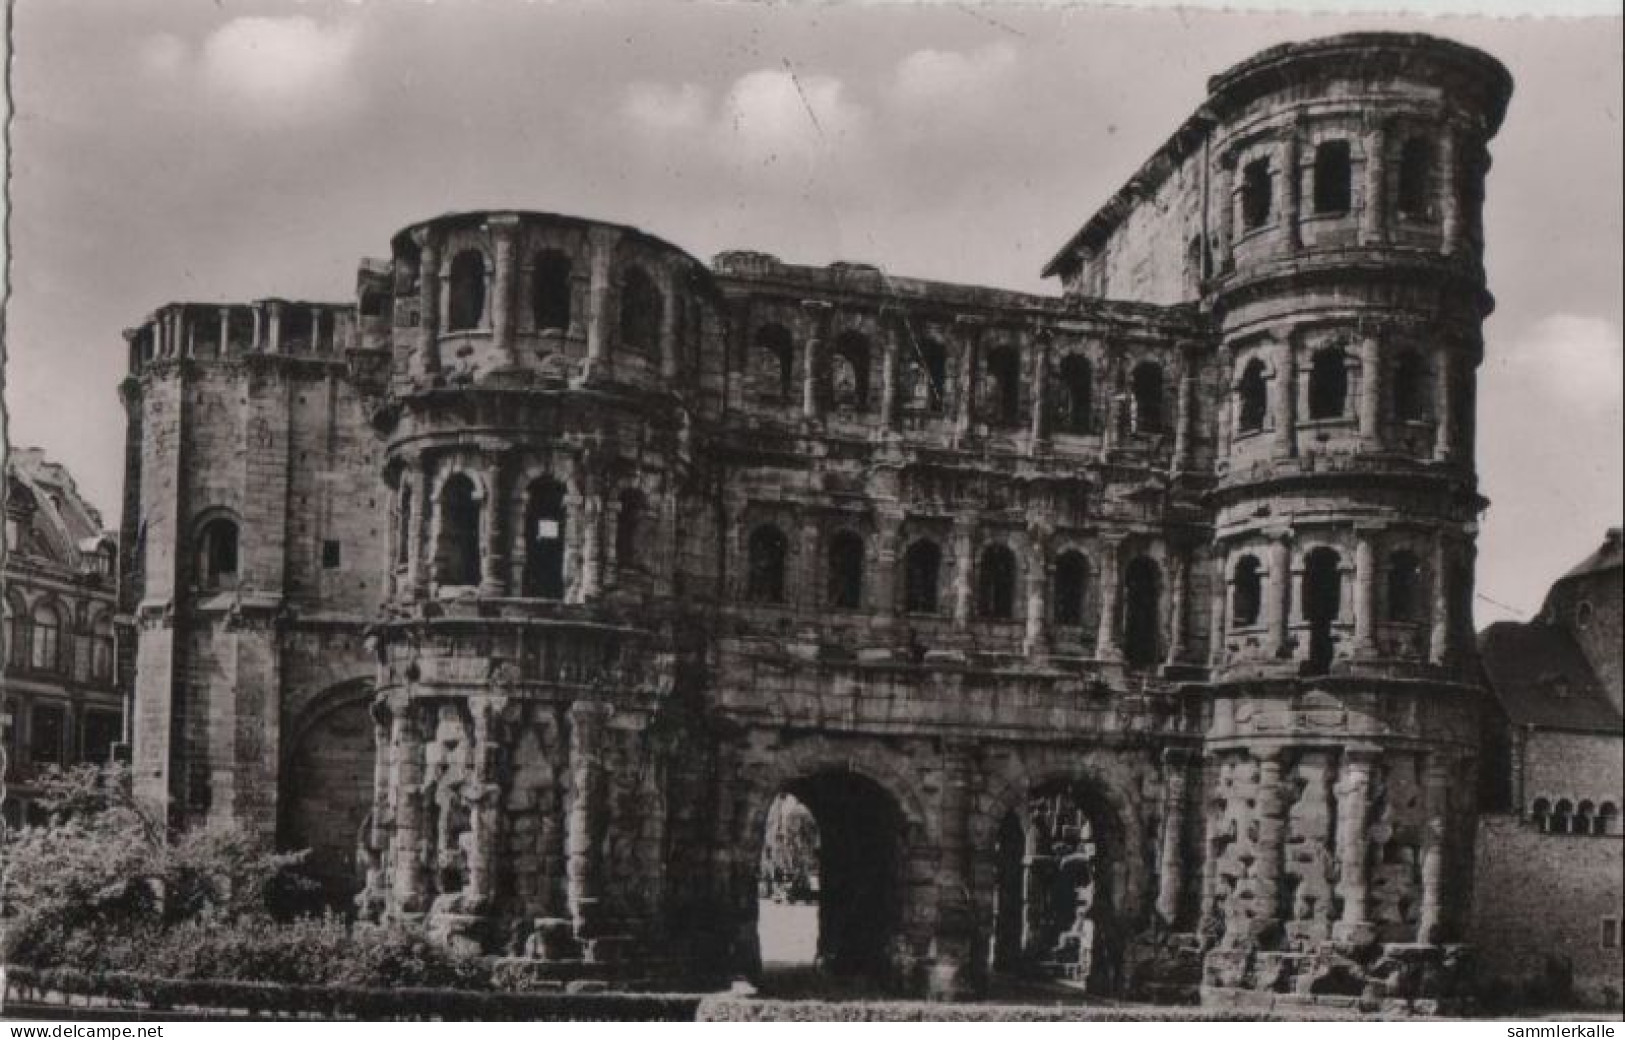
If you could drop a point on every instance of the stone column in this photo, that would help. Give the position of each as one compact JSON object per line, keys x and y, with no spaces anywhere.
{"x":1439,"y":642}
{"x":888,"y":537}
{"x":952,"y":946}
{"x":963,"y":564}
{"x":225,"y":331}
{"x":382,"y":765}
{"x":1178,"y":604}
{"x":1107,"y":647}
{"x":891,"y":320}
{"x":1449,"y":203}
{"x":420,"y":554}
{"x":584,"y":826}
{"x":970,"y":334}
{"x":670,"y":331}
{"x":812,"y":585}
{"x":1365,"y":593}
{"x":274,"y":329}
{"x":1225,"y":180}
{"x":1112,"y":435}
{"x":428,"y":355}
{"x":601,"y":243}
{"x":1279,"y":608}
{"x":592,"y":541}
{"x":1271,"y":833}
{"x":502,"y":230}
{"x":484,"y":819}
{"x":1290,"y":179}
{"x":818,"y":313}
{"x":1170,"y":853}
{"x":1444,"y":407}
{"x":1284,"y":390}
{"x":494,"y":558}
{"x":1374,"y":215}
{"x":1370,"y":395}
{"x":1431,"y":924}
{"x":1185,"y":422}
{"x":1353,"y":818}
{"x":258,"y":343}
{"x":406,"y":742}
{"x":1036,"y":640}
{"x":1220,"y":599}
{"x":315,"y":330}
{"x":1040,"y":417}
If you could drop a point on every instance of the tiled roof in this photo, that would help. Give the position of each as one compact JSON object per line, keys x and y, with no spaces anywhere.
{"x":1541,"y":678}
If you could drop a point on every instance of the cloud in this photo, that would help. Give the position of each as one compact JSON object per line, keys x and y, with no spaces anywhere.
{"x":282,"y":67}
{"x":776,"y":113}
{"x":952,"y":83}
{"x":660,"y":109}
{"x":1578,"y":360}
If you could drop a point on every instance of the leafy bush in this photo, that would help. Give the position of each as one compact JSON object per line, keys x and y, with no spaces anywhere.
{"x":733,"y":1009}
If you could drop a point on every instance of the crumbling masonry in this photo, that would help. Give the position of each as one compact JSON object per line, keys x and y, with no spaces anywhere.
{"x":1122,"y":634}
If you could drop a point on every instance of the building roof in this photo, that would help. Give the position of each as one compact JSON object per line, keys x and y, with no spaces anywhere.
{"x":1541,"y":678}
{"x":1608,"y":557}
{"x":62,"y":527}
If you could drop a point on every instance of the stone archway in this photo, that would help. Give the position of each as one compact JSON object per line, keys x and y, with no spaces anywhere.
{"x":326,"y":788}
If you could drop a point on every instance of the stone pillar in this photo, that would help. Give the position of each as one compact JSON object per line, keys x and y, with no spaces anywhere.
{"x":420,"y":554}
{"x":1353,"y":818}
{"x":1040,"y":417}
{"x":428,"y":356}
{"x":1365,"y":593}
{"x":891,"y":320}
{"x":1178,"y":604}
{"x":1439,"y":642}
{"x":1374,"y":215}
{"x":1431,"y":924}
{"x":1284,"y":390}
{"x":1170,"y":852}
{"x":592,"y":541}
{"x":950,"y":977}
{"x":1224,"y":181}
{"x":812,"y":585}
{"x":1220,"y":599}
{"x":274,"y":332}
{"x":1036,"y":640}
{"x":1107,"y":647}
{"x":1185,"y":422}
{"x":1287,"y":153}
{"x":601,"y":242}
{"x":1116,"y":400}
{"x":258,"y":343}
{"x":1370,"y":395}
{"x":1449,"y":202}
{"x":970,"y":334}
{"x":1444,"y":409}
{"x":584,"y":826}
{"x":670,"y":331}
{"x":315,"y":330}
{"x":1279,"y":607}
{"x":888,"y":539}
{"x":382,"y":765}
{"x":1270,"y":845}
{"x":502,"y":230}
{"x":484,"y":818}
{"x":406,"y":743}
{"x":812,"y":403}
{"x":225,"y":331}
{"x":493,"y":557}
{"x":963,"y":565}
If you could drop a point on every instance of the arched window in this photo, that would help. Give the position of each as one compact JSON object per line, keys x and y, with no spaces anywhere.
{"x":1247,"y":593}
{"x":101,"y":649}
{"x":927,"y":376}
{"x":628,"y":527}
{"x":457,"y":554}
{"x":46,"y":652}
{"x":849,"y":373}
{"x":545,"y":530}
{"x":466,"y":304}
{"x":217,"y":554}
{"x":846,"y":571}
{"x":1541,"y":814}
{"x":922,"y":564}
{"x":996,"y":583}
{"x":1252,"y":398}
{"x":1071,"y":585}
{"x":1415,"y":195}
{"x":403,"y":525}
{"x":1408,"y":383}
{"x":1328,"y":384}
{"x":1077,"y":394}
{"x":1583,"y":814}
{"x":641,"y":304}
{"x":775,"y":363}
{"x":1256,"y":194}
{"x":1322,"y":603}
{"x":1142,"y":612}
{"x":1603,"y":822}
{"x":764,"y":578}
{"x":17,"y":629}
{"x":1332,"y":177}
{"x":550,"y":290}
{"x":1404,"y":586}
{"x":1004,"y":386}
{"x":1146,"y":387}
{"x":1563,"y":817}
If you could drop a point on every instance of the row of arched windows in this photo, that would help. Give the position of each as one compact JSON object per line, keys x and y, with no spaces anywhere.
{"x":1567,"y":817}
{"x":1402,"y":582}
{"x":1321,"y":594}
{"x":550,"y":294}
{"x":1328,"y":389}
{"x":1333,"y":187}
{"x":994,"y":584}
{"x":843,"y":382}
{"x":41,"y":639}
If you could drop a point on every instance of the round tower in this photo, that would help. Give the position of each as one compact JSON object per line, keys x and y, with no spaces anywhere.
{"x":543,"y":377}
{"x":1348,"y":293}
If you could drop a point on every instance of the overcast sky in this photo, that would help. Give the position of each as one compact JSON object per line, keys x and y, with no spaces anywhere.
{"x":211,"y":150}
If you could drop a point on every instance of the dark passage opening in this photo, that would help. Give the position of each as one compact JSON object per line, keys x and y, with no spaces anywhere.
{"x":1322,"y":600}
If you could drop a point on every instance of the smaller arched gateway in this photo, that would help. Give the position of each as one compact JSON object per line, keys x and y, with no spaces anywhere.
{"x":326,"y":793}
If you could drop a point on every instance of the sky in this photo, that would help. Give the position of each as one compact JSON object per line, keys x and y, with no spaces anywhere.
{"x":216,"y":150}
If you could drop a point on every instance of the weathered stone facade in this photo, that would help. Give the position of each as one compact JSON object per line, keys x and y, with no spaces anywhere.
{"x":1122,"y":633}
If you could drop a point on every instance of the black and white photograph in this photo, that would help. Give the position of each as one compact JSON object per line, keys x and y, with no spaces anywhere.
{"x":832,"y":512}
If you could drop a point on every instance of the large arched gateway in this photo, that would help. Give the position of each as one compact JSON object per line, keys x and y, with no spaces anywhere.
{"x":327,"y":787}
